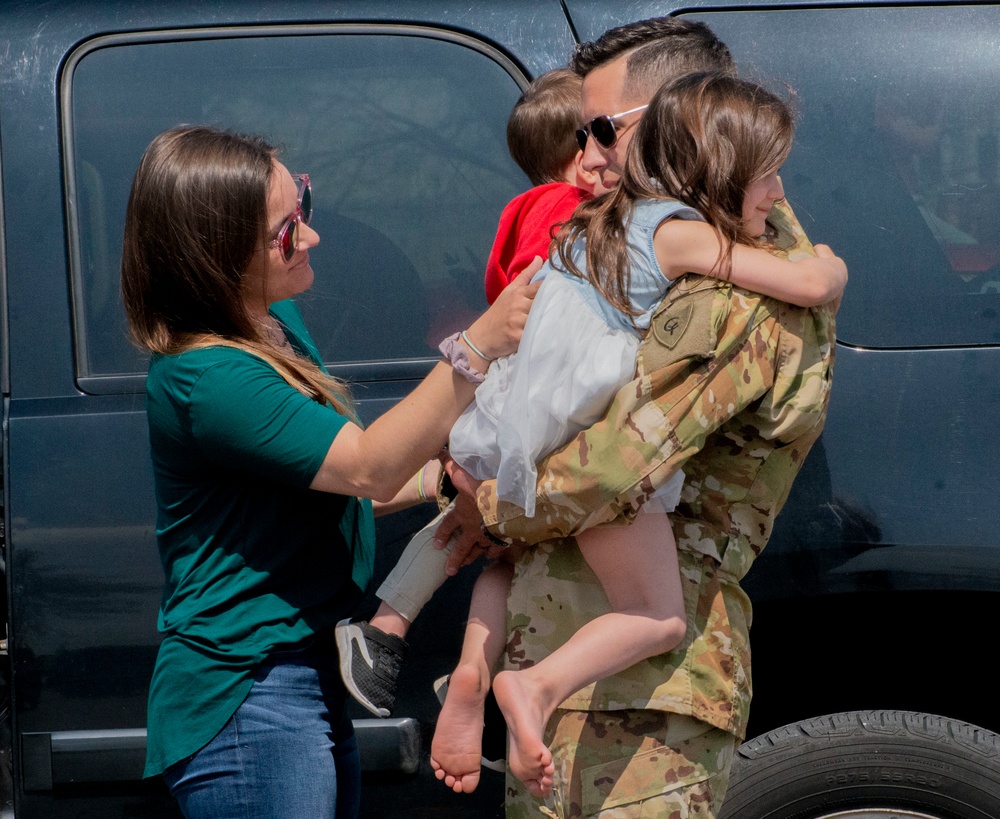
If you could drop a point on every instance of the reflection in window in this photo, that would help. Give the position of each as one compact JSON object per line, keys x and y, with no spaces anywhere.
{"x":948,"y":163}
{"x":404,"y":138}
{"x":895,"y":161}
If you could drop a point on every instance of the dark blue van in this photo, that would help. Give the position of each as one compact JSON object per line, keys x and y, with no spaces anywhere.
{"x":875,"y":601}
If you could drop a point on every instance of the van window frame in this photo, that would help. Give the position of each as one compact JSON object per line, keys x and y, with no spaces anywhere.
{"x":126,"y":383}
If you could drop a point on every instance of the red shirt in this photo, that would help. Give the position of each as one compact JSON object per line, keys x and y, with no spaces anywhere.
{"x":525,"y":231}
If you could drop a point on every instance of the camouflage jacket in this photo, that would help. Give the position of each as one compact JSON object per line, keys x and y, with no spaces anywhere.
{"x":733,"y":388}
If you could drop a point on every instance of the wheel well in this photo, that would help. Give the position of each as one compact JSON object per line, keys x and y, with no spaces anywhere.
{"x":890,"y":650}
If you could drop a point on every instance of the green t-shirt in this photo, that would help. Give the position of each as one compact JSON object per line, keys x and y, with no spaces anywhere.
{"x":254,"y":560}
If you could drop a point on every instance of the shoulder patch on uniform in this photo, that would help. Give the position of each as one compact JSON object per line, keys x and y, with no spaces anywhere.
{"x":668,"y":329}
{"x":681,"y":328}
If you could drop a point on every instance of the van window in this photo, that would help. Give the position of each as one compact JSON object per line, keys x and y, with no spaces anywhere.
{"x":403,"y":136}
{"x":896,"y":161}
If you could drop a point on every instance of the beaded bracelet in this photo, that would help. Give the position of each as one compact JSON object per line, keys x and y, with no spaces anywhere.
{"x":420,"y":484}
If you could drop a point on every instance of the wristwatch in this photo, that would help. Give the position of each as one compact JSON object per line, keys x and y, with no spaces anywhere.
{"x":492,"y":538}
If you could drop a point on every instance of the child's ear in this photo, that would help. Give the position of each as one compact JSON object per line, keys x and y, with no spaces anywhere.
{"x":585,"y":179}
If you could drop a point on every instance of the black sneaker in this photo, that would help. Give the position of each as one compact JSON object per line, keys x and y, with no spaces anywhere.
{"x":494,"y":728}
{"x":369,"y":664}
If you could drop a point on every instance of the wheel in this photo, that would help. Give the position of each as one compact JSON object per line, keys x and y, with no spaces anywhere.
{"x":868,"y":765}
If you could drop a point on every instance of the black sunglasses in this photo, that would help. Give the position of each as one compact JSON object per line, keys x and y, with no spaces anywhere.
{"x":603,"y":129}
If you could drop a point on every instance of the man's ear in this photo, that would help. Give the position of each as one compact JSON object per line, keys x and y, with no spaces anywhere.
{"x":585,"y":179}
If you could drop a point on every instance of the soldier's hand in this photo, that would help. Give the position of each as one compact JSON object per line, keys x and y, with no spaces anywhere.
{"x":463,"y":523}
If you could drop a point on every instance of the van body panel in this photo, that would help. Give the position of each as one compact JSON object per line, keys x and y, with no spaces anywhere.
{"x":887,"y":548}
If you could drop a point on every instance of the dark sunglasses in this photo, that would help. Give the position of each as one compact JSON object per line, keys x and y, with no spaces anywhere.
{"x":288,"y":236}
{"x":603,"y":129}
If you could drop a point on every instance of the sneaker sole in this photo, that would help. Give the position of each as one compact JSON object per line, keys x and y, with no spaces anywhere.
{"x":349,"y":636}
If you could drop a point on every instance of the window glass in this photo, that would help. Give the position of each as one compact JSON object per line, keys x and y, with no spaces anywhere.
{"x":895,"y":163}
{"x":404,"y":138}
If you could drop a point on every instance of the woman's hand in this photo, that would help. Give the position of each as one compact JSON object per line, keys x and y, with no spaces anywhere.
{"x":497,"y":331}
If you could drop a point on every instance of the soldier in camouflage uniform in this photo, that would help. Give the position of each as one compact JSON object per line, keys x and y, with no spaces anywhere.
{"x":733,"y":388}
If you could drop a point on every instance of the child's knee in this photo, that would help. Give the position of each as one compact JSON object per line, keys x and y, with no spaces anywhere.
{"x":674,"y":629}
{"x":666,"y":631}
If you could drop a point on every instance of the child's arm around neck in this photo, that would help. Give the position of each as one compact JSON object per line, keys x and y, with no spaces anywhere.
{"x":685,"y":246}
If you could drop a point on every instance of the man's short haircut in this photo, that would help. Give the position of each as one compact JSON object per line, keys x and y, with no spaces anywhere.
{"x":659,"y":49}
{"x":541,"y":131}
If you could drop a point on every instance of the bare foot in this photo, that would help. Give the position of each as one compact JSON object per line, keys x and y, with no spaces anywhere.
{"x":529,"y":758}
{"x":457,"y":747}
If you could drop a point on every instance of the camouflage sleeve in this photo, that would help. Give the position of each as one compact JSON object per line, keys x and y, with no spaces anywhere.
{"x":708,"y":355}
{"x":721,"y":360}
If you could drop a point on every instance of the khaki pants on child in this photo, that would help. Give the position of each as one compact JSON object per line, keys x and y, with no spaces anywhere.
{"x":418,"y":573}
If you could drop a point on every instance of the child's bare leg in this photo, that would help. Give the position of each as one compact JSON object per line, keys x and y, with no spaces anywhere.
{"x":456,"y":749}
{"x":637,"y":567}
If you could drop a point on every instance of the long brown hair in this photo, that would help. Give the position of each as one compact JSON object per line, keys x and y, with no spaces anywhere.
{"x":704,"y":138}
{"x":196,"y":215}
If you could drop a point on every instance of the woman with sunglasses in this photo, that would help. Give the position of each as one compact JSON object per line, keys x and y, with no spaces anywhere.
{"x":261,"y":474}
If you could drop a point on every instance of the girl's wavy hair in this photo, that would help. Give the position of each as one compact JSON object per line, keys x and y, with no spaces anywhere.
{"x":196,"y":215}
{"x":704,"y":138}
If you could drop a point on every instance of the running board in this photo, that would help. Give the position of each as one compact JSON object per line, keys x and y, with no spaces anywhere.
{"x":68,"y":757}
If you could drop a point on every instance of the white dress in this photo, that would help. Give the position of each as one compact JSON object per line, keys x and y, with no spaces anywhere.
{"x":576,"y":352}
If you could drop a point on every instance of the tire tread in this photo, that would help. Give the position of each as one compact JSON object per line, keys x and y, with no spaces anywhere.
{"x":845,"y":760}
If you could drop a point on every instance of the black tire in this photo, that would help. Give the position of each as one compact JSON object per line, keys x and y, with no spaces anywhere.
{"x":880,"y":764}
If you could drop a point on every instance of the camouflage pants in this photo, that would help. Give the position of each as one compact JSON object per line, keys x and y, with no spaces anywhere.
{"x":630,"y":765}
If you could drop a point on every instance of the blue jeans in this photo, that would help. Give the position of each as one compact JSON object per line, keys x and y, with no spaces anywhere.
{"x":288,"y":751}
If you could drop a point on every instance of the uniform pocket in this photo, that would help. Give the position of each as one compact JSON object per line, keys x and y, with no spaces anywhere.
{"x":628,"y":783}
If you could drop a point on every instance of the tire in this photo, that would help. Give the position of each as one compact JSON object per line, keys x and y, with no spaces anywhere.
{"x":878,"y":764}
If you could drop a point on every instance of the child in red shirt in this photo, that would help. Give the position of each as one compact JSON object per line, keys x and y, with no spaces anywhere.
{"x":541,"y":137}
